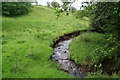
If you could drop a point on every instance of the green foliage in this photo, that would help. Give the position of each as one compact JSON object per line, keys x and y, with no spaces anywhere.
{"x":80,"y":13}
{"x":66,"y":8}
{"x":101,"y":76}
{"x":59,"y":12}
{"x":104,"y":15}
{"x":85,"y":10}
{"x":66,"y":5}
{"x":73,"y":9}
{"x":15,"y":8}
{"x":55,"y":4}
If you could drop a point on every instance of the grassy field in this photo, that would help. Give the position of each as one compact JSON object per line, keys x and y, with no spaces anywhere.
{"x":27,"y":39}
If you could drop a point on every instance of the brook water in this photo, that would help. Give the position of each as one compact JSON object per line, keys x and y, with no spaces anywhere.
{"x":60,"y":56}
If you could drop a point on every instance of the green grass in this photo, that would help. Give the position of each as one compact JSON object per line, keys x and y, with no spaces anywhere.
{"x":83,"y":47}
{"x":26,"y":43}
{"x":96,"y":50}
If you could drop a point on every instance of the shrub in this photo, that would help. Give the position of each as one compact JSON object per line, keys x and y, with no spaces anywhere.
{"x":55,"y":4}
{"x":15,"y":8}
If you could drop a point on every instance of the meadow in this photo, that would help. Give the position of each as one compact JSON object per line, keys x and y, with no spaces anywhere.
{"x":26,"y":40}
{"x":29,"y":33}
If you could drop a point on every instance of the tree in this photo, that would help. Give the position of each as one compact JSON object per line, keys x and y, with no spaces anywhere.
{"x":105,"y":18}
{"x":59,"y":12}
{"x":15,"y":8}
{"x":36,"y":2}
{"x":55,"y":4}
{"x":48,"y":4}
{"x":65,"y":8}
{"x":104,"y":15}
{"x":67,"y":5}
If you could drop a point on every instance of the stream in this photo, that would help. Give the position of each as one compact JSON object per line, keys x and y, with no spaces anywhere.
{"x":60,"y":56}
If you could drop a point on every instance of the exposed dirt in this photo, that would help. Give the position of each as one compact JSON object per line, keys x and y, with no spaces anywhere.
{"x":66,"y":36}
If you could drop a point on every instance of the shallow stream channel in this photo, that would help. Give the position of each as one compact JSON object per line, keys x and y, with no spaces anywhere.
{"x":61,"y":56}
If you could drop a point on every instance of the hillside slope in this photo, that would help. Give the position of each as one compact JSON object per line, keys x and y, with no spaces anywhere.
{"x":27,"y":39}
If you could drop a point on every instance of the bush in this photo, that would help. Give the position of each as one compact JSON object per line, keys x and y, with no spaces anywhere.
{"x":55,"y":4}
{"x":15,"y":8}
{"x":81,"y":13}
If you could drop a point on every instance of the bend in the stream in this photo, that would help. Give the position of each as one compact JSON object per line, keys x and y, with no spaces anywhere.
{"x":61,"y":53}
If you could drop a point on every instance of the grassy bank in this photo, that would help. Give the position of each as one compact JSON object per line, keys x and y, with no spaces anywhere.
{"x":98,"y":52}
{"x":27,"y":39}
{"x":83,"y":47}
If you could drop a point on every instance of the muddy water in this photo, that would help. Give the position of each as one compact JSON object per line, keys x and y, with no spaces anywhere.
{"x":60,"y":56}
